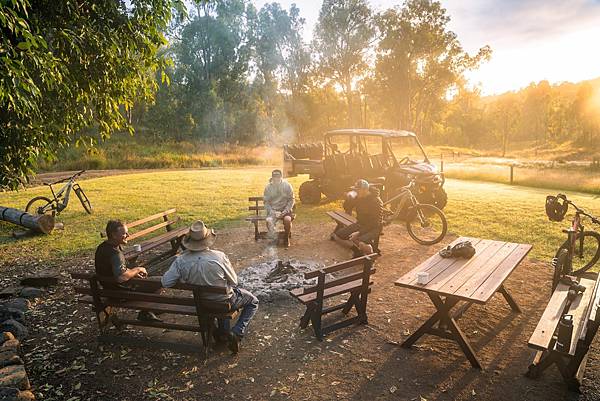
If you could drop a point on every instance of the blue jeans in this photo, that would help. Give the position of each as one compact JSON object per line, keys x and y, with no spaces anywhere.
{"x":248,"y":303}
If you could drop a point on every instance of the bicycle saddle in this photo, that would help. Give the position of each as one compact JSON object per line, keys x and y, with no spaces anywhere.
{"x":463,"y":249}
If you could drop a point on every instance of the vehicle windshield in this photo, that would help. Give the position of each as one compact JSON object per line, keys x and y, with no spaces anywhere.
{"x":407,"y":147}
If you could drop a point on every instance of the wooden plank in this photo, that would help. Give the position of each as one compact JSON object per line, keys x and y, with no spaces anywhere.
{"x":458,"y":273}
{"x":155,"y":227}
{"x":341,"y":266}
{"x":256,"y":218}
{"x":141,"y":305}
{"x":157,"y":241}
{"x":138,"y":296}
{"x":255,"y":199}
{"x":342,"y":218}
{"x":256,"y":208}
{"x":150,"y":218}
{"x":444,"y":265}
{"x":160,"y":325}
{"x":409,"y":278}
{"x":594,"y":305}
{"x":579,"y":309}
{"x":542,"y":335}
{"x":492,"y":283}
{"x":330,"y":292}
{"x":333,"y":283}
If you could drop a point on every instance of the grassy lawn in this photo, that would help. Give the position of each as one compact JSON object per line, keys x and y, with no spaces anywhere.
{"x":219,"y":197}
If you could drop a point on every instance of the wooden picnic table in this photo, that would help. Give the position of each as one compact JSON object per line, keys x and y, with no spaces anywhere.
{"x":455,"y":280}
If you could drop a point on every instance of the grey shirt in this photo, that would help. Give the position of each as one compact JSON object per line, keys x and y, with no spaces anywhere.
{"x":209,"y":267}
{"x":278,"y":197}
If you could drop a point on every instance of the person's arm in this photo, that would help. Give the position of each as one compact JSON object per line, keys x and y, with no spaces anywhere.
{"x":349,"y":204}
{"x":290,"y":199}
{"x":267,"y":201}
{"x":128,"y":274}
{"x":171,"y":276}
{"x":230,"y":275}
{"x":121,"y":272}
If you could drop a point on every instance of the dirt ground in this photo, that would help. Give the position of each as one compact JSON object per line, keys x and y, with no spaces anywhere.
{"x":280,"y":362}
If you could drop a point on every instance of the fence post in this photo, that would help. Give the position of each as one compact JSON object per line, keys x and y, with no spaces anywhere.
{"x":512,"y":167}
{"x":442,"y":162}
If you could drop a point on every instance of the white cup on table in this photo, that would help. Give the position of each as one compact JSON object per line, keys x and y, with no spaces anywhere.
{"x":137,"y":248}
{"x":422,"y":278}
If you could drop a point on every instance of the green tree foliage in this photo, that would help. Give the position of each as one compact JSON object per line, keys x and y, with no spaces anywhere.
{"x":418,"y":61}
{"x":69,"y":66}
{"x":343,"y":36}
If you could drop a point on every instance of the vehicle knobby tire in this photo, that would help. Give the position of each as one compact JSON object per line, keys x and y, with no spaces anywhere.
{"x":310,"y":193}
{"x":427,"y":210}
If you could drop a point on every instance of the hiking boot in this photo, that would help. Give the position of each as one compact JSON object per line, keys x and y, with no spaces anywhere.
{"x":145,"y":316}
{"x":234,"y":342}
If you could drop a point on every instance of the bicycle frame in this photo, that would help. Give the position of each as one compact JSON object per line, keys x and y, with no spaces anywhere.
{"x":64,"y":193}
{"x":405,"y":197}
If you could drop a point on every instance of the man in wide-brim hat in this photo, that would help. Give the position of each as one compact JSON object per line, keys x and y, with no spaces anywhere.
{"x":201,"y":265}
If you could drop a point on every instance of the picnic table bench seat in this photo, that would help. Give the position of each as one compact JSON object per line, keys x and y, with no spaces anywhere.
{"x":348,"y":280}
{"x":172,"y":236}
{"x":585,"y":309}
{"x":189,"y":301}
{"x":344,"y":219}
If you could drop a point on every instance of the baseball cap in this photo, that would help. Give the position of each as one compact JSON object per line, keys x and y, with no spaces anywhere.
{"x":361,"y":184}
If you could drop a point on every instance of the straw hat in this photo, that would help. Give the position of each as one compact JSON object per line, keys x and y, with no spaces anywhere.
{"x":199,"y":237}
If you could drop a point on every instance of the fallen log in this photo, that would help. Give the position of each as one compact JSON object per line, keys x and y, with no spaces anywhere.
{"x":42,"y":223}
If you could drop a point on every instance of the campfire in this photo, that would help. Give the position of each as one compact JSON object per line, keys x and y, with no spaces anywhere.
{"x":272,"y":280}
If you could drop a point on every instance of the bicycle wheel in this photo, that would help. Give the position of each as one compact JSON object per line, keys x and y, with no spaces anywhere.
{"x":559,"y":263}
{"x":584,"y":259}
{"x":40,"y":205}
{"x":428,"y":225}
{"x":85,"y":202}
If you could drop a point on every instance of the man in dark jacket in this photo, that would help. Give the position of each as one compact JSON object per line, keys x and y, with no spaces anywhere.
{"x":110,"y":262}
{"x":364,"y":234}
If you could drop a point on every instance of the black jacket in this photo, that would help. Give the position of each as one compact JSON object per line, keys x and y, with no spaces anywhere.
{"x":369,"y":210}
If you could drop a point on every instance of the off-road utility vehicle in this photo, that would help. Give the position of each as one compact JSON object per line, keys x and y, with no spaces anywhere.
{"x":388,"y":159}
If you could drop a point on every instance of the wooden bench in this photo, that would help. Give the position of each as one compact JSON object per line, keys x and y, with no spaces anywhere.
{"x":258,"y":207}
{"x":585,"y":310}
{"x":344,"y":219}
{"x":189,"y":302}
{"x":258,"y":216}
{"x":355,"y":283}
{"x":172,"y":236}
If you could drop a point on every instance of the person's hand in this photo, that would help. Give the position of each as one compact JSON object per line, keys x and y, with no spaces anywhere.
{"x":278,"y":214}
{"x":353,"y":237}
{"x":142,"y":273}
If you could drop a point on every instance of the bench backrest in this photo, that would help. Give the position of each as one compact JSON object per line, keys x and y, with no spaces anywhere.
{"x":164,"y":221}
{"x":366,"y":262}
{"x":193,"y":295}
{"x":259,"y":204}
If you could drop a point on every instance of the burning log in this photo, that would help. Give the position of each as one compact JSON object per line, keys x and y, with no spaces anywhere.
{"x":280,"y":272}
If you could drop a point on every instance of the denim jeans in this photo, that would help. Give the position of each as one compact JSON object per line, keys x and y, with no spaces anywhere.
{"x":248,"y":303}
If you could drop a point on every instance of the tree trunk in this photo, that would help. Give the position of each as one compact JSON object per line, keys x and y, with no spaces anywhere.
{"x":41,"y":223}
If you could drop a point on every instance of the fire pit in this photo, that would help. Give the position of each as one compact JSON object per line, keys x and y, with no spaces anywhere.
{"x":272,"y":280}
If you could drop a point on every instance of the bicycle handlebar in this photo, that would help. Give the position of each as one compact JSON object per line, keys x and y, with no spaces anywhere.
{"x":579,"y":210}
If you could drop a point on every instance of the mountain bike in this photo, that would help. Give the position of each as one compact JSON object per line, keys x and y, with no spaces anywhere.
{"x":425,"y":223}
{"x":581,"y":250}
{"x":60,"y":199}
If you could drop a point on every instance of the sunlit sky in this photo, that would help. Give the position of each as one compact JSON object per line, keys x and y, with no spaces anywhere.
{"x":531,"y":40}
